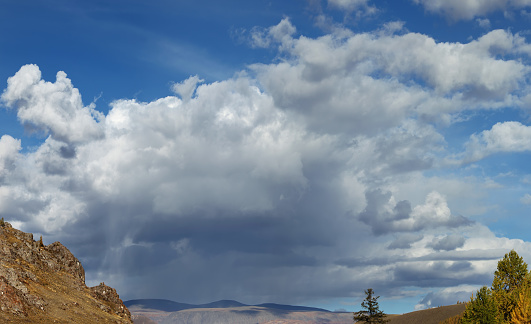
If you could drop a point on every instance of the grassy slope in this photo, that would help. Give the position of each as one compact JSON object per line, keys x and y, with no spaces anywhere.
{"x":66,"y":298}
{"x":429,"y":316}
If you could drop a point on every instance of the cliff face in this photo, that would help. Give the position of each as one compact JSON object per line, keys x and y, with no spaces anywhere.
{"x":46,"y":284}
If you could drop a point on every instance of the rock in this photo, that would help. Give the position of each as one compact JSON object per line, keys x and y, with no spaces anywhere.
{"x":111,"y":298}
{"x":66,"y":260}
{"x":46,"y":284}
{"x":11,"y":299}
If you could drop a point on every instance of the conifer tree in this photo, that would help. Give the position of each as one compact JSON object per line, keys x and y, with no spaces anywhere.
{"x":521,"y":314}
{"x":483,"y":309}
{"x":509,"y":276}
{"x":372,"y":312}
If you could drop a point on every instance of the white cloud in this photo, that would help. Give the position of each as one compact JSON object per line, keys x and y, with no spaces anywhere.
{"x":227,"y":148}
{"x":502,"y":137}
{"x":54,"y":108}
{"x":362,"y":6}
{"x":367,"y":77}
{"x":384,"y":215}
{"x":187,"y":88}
{"x":526,"y":199}
{"x":9,"y":148}
{"x":483,"y":23}
{"x":348,"y":4}
{"x":447,"y":296}
{"x":468,"y":9}
{"x":278,"y":34}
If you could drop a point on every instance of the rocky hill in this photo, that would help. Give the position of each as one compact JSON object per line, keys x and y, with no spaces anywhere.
{"x":46,"y":284}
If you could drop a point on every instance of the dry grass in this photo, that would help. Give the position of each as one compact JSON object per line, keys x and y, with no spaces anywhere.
{"x":43,"y":293}
{"x":429,"y":316}
{"x":67,"y":301}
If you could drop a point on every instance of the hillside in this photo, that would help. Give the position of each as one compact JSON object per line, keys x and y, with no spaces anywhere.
{"x":429,"y":316}
{"x":46,"y":284}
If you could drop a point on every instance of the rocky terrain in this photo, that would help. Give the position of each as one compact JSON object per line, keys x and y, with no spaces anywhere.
{"x":46,"y":284}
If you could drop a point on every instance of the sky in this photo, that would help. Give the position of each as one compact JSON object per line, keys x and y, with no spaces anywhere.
{"x":292,"y":152}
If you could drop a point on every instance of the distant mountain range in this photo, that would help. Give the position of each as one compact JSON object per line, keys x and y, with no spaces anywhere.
{"x":164,"y":311}
{"x":171,"y":306}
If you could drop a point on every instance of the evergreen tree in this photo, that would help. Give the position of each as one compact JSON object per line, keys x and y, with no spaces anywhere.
{"x":509,"y":276}
{"x":372,"y":312}
{"x":483,"y":309}
{"x":521,"y":314}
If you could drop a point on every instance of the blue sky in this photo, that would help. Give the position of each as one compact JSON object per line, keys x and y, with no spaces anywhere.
{"x":271,"y":151}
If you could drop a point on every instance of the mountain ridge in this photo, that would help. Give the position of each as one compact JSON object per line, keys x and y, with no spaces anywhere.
{"x":172,"y":306}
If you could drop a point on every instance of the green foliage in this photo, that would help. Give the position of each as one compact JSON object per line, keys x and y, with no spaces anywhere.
{"x":2,"y":222}
{"x":483,"y":309}
{"x":521,"y":314}
{"x":372,"y":312}
{"x":509,"y":299}
{"x":510,"y":275}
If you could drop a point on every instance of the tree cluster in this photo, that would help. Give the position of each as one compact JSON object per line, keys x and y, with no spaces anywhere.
{"x":507,"y":301}
{"x":509,"y":298}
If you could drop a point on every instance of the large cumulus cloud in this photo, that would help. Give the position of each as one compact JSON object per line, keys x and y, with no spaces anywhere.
{"x":310,"y":173}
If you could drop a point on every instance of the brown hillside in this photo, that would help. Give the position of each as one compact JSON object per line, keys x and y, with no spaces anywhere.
{"x":46,"y":284}
{"x":429,"y":316}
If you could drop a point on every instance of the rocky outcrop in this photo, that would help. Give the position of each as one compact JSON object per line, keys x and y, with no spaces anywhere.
{"x":111,"y":298}
{"x":46,"y":284}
